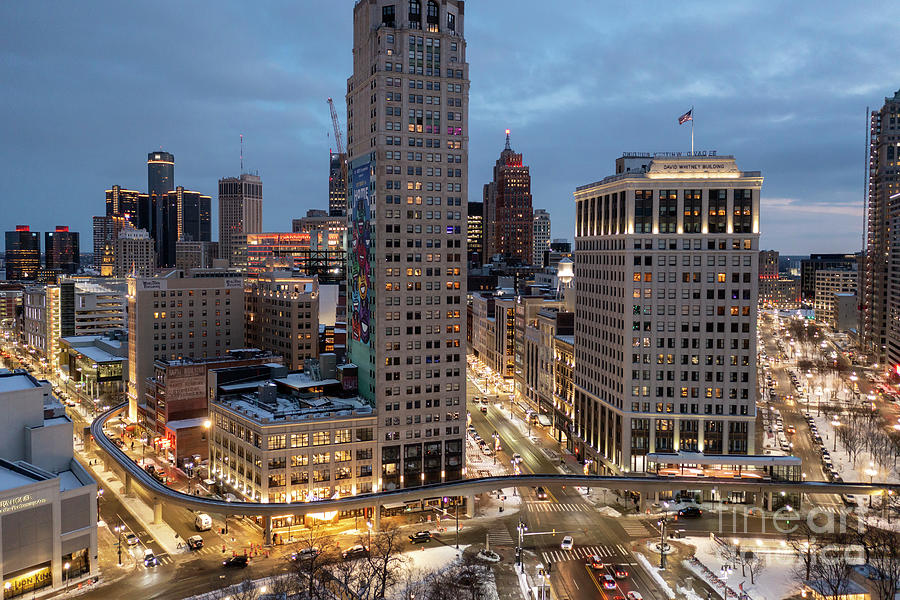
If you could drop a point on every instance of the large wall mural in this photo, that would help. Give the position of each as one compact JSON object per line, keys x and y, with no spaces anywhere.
{"x":360,"y":259}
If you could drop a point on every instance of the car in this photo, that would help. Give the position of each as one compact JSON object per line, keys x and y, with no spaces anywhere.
{"x":608,"y":582}
{"x":236,"y":562}
{"x":791,"y":430}
{"x":596,"y":562}
{"x":354,"y":552}
{"x":131,"y":539}
{"x":150,"y":558}
{"x":690,"y":512}
{"x":635,"y":596}
{"x":620,"y":571}
{"x":420,"y":537}
{"x":517,"y":457}
{"x":195,"y":542}
{"x":484,"y":408}
{"x":486,"y":450}
{"x":567,"y":543}
{"x":849,"y":499}
{"x":305,"y":554}
{"x":541,"y":493}
{"x":150,"y":469}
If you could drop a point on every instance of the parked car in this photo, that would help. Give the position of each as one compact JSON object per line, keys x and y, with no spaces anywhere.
{"x":195,"y":542}
{"x":484,"y":408}
{"x":420,"y":537}
{"x":635,"y":596}
{"x":354,"y":552}
{"x":305,"y":554}
{"x":690,"y":512}
{"x":567,"y":543}
{"x":236,"y":562}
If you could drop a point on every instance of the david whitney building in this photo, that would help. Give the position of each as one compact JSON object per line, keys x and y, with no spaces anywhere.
{"x":665,"y":322}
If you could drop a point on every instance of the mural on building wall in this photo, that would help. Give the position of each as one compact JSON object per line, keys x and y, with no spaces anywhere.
{"x":362,"y":297}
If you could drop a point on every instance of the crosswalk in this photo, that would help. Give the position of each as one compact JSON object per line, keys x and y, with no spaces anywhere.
{"x":557,"y":507}
{"x":610,"y":552}
{"x":500,"y":537}
{"x":634,"y":528}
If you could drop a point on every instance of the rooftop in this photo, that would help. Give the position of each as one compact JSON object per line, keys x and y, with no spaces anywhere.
{"x":16,"y":382}
{"x":290,"y":409}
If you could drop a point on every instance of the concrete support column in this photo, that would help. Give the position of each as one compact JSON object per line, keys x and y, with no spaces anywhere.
{"x":376,"y":517}
{"x":470,"y":506}
{"x":267,"y":530}
{"x":769,"y":497}
{"x":157,"y":511}
{"x":127,"y":483}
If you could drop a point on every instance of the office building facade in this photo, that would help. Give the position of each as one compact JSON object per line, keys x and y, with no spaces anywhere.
{"x":134,"y":254}
{"x":828,"y":283}
{"x":180,"y":314}
{"x":665,"y":327}
{"x":508,"y":215}
{"x":407,"y":105}
{"x":123,"y":203}
{"x":185,"y":215}
{"x":475,"y":234}
{"x":809,"y":267}
{"x":337,"y":184}
{"x":23,"y":254}
{"x":62,"y":250}
{"x":541,"y":238}
{"x":240,"y":209}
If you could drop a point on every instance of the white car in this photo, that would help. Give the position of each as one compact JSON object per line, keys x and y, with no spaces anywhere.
{"x":567,"y":543}
{"x":634,"y":596}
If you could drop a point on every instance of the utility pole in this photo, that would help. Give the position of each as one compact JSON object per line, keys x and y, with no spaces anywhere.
{"x":521,"y":528}
{"x":662,"y":543}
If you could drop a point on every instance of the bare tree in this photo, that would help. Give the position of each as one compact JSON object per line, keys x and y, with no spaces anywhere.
{"x":385,"y":559}
{"x":755,"y":563}
{"x":805,"y":543}
{"x":315,"y":551}
{"x":883,"y":549}
{"x":831,"y":568}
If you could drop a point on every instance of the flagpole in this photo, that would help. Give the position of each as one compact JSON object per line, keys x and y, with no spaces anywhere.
{"x":692,"y":131}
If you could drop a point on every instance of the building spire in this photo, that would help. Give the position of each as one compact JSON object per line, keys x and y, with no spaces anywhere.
{"x":507,"y":140}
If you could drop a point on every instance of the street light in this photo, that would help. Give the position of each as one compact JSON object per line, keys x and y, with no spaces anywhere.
{"x":118,"y":530}
{"x":369,"y":533}
{"x":835,"y":423}
{"x":290,"y":520}
{"x":99,"y":494}
{"x":66,"y":570}
{"x":871,"y":472}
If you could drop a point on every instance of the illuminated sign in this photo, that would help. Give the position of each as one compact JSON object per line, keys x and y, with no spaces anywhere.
{"x":25,"y":582}
{"x":15,"y":503}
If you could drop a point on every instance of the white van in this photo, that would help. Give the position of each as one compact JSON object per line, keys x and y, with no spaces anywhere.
{"x":203,"y":522}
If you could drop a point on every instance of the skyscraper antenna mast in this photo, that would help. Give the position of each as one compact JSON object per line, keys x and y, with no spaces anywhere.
{"x":242,"y":153}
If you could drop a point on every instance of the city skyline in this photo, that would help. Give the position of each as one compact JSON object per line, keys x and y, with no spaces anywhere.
{"x":746,"y":102}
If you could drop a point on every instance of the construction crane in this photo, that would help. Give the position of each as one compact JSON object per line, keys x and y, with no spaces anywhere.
{"x":338,"y":140}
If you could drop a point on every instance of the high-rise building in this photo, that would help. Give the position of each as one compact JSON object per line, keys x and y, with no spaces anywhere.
{"x":185,"y":215}
{"x":508,"y":216}
{"x":160,"y":173}
{"x":240,"y":209}
{"x":665,"y":327}
{"x":62,"y":250}
{"x":475,"y":234}
{"x":23,"y":254}
{"x":809,"y":266}
{"x":196,"y":255}
{"x":880,"y":308}
{"x":134,"y":254}
{"x":123,"y":203}
{"x":541,"y":239}
{"x":337,"y":184}
{"x":106,"y":232}
{"x":768,"y":264}
{"x":318,"y":253}
{"x":206,"y":306}
{"x":407,"y":275}
{"x":281,"y":314}
{"x":829,"y":283}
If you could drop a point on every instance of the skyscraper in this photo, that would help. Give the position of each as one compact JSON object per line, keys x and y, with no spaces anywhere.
{"x":62,"y":250}
{"x":666,"y":301}
{"x":880,"y":306}
{"x":184,"y":215}
{"x":23,"y":254}
{"x":106,"y":232}
{"x":160,"y":181}
{"x":475,"y":234}
{"x":508,"y":217}
{"x":337,"y":185}
{"x":240,"y":210}
{"x":407,"y":207}
{"x":541,"y":239}
{"x":123,"y":203}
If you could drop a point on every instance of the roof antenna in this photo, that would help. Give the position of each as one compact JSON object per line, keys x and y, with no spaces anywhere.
{"x":507,"y":140}
{"x":242,"y":153}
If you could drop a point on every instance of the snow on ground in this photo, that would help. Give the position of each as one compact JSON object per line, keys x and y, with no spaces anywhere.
{"x":654,"y":572}
{"x":434,"y":558}
{"x":841,"y":459}
{"x":776,"y":581}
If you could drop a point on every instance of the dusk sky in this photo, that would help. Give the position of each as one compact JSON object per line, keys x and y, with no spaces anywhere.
{"x":90,"y":87}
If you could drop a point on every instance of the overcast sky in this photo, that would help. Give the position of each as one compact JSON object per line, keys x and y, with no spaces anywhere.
{"x":88,"y":88}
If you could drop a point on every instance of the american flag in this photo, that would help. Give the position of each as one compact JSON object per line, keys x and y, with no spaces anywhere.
{"x":688,"y":116}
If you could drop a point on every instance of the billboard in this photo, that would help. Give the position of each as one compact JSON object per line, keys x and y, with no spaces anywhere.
{"x":360,"y":259}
